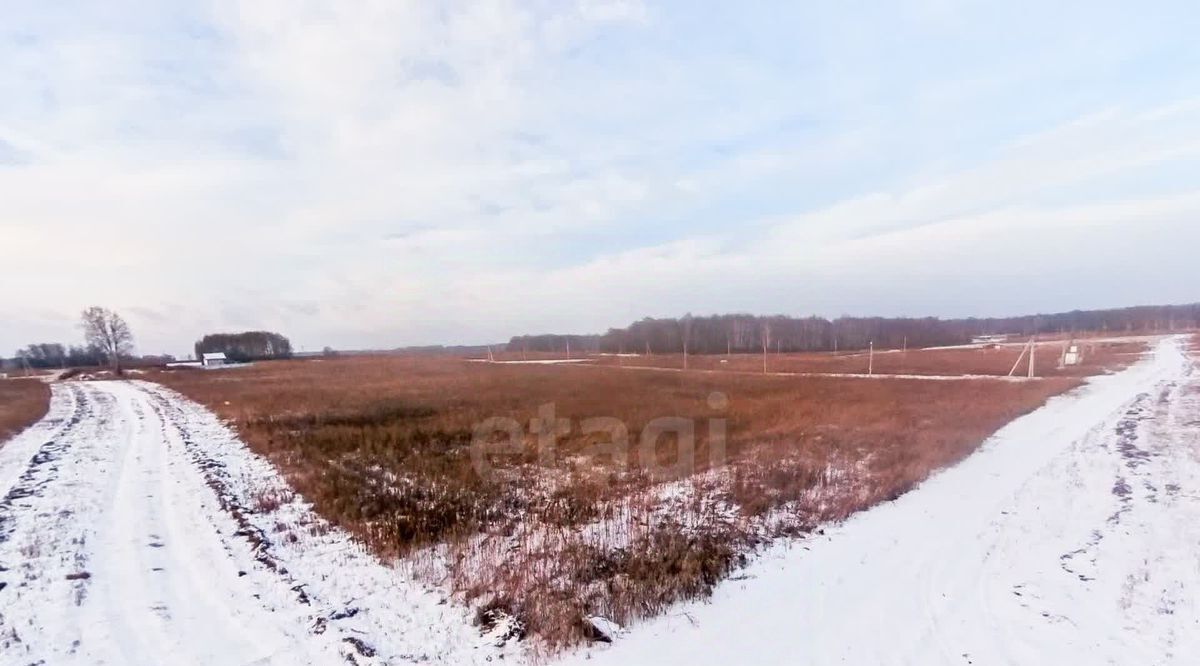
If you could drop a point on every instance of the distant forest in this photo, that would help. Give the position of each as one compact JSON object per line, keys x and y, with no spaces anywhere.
{"x":55,"y":355}
{"x":742,"y":333}
{"x":244,"y":347}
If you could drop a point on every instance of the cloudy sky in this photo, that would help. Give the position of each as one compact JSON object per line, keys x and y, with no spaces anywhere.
{"x":373,"y":174}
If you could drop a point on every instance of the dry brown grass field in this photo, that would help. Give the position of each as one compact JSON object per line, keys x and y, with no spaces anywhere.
{"x":382,"y":446}
{"x":22,"y":402}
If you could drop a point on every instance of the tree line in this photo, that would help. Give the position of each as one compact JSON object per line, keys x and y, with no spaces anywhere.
{"x":554,"y":343}
{"x":246,"y":346}
{"x":745,"y":333}
{"x":57,"y":355}
{"x":108,"y":340}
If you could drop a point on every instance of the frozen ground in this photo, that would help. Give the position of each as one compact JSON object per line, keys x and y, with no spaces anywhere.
{"x":1072,"y":537}
{"x":135,"y":529}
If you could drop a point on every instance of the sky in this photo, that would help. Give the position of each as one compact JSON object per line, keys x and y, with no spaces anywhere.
{"x":385,"y":173}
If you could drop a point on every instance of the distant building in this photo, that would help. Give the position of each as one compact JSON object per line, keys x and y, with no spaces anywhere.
{"x":989,"y":339}
{"x":214,"y":360}
{"x":1073,"y":355}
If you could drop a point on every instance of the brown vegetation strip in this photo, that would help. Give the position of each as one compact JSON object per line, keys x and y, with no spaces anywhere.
{"x":382,"y":447}
{"x":998,"y":361}
{"x":22,"y":402}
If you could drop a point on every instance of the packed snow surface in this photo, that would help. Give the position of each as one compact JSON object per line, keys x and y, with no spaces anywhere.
{"x":1071,"y":537}
{"x":136,"y":529}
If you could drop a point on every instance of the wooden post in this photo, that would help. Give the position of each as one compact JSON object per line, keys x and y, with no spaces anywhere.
{"x":871,"y":360}
{"x":1024,"y":348}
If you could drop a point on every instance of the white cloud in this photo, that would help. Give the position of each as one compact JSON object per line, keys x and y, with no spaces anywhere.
{"x":376,"y":174}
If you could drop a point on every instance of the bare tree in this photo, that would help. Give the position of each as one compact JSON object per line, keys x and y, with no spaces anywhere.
{"x":107,"y":331}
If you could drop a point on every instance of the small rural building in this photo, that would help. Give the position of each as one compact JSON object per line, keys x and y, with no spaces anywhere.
{"x":1073,"y":355}
{"x":214,"y":360}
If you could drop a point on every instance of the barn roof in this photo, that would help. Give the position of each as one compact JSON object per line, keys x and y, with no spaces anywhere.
{"x":216,"y":356}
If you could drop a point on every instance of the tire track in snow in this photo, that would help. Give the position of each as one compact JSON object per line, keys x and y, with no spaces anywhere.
{"x":164,"y":585}
{"x":25,"y":472}
{"x":48,"y":524}
{"x":132,"y":536}
{"x":375,"y":613}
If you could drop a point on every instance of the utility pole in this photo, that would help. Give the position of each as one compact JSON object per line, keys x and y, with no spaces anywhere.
{"x":1021,"y":357}
{"x":568,"y":348}
{"x":1027,"y":348}
{"x":1032,"y":354}
{"x":871,"y":360}
{"x":766,"y":340}
{"x":686,"y":334}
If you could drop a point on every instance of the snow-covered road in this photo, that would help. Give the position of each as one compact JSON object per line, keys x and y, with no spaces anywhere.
{"x":136,"y":529}
{"x":1071,"y":537}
